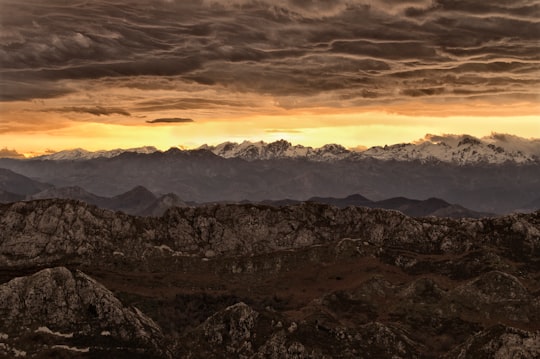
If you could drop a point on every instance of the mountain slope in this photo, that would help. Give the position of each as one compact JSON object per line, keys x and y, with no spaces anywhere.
{"x":138,"y":200}
{"x":133,"y":201}
{"x":72,"y":313}
{"x":18,"y":184}
{"x":6,"y":197}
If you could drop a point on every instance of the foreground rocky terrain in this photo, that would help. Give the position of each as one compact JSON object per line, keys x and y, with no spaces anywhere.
{"x":254,"y":281}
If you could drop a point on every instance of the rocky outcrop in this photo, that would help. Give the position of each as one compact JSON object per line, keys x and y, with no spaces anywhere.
{"x":241,"y":332}
{"x":70,"y":311}
{"x":497,"y":295}
{"x":42,"y":232}
{"x":499,"y":342}
{"x":253,"y":281}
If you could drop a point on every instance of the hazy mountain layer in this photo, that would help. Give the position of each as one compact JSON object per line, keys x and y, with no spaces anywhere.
{"x":201,"y":176}
{"x":14,"y":184}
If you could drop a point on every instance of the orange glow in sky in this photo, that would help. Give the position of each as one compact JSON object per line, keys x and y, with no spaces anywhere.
{"x":106,"y":75}
{"x":309,"y":128}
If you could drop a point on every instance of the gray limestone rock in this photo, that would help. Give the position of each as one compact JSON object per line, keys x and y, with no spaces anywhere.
{"x":74,"y":308}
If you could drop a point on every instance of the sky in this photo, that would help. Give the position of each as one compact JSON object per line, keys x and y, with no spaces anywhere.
{"x":106,"y":74}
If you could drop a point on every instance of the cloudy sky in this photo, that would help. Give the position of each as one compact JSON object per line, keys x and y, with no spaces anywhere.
{"x":103,"y":74}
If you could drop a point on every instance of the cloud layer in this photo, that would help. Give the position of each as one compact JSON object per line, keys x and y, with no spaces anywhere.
{"x":7,"y":153}
{"x":171,"y":120}
{"x":300,"y":53}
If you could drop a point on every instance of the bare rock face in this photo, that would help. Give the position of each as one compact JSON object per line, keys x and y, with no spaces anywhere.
{"x":44,"y":232}
{"x":232,"y":330}
{"x":496,"y":295}
{"x":241,"y":332}
{"x":499,"y":342}
{"x":82,"y":314}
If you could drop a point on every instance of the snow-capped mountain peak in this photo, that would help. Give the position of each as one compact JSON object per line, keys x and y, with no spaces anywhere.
{"x":455,"y":149}
{"x":461,"y":149}
{"x":79,"y":154}
{"x":276,"y":150}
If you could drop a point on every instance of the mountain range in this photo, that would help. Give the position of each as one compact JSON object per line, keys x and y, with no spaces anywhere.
{"x":82,"y":154}
{"x":140,"y":201}
{"x":202,"y":176}
{"x":461,"y":150}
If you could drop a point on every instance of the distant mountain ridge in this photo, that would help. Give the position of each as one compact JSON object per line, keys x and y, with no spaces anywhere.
{"x":15,"y":184}
{"x":455,"y":149}
{"x":79,"y":154}
{"x":201,"y":176}
{"x":252,"y":151}
{"x":411,"y":207}
{"x":137,"y":201}
{"x":467,"y":175}
{"x":140,"y":201}
{"x":461,"y":150}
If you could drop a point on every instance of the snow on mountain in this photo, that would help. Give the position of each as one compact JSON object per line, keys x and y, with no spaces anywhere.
{"x":279,"y":149}
{"x":79,"y":154}
{"x":457,"y":149}
{"x":461,"y":149}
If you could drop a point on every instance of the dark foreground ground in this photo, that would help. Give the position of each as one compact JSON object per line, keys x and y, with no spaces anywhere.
{"x":308,"y":281}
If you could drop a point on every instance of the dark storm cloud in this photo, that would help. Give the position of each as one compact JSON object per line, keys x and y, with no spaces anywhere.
{"x":171,"y":120}
{"x":353,"y":51}
{"x":29,"y":89}
{"x":185,"y":104}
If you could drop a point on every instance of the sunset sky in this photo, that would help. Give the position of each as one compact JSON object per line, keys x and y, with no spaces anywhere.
{"x":105,"y":74}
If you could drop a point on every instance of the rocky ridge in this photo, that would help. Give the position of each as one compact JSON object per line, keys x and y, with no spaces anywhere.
{"x":40,"y":232}
{"x":253,"y":281}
